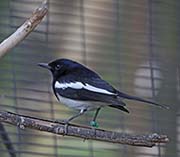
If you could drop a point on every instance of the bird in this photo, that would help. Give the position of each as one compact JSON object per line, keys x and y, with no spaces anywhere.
{"x":78,"y":87}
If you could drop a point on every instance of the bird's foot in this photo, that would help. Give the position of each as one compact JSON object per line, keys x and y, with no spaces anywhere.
{"x":66,"y":123}
{"x":94,"y":124}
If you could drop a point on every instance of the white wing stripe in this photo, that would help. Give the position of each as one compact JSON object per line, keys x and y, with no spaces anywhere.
{"x":95,"y":89}
{"x":79,"y":85}
{"x":76,"y":85}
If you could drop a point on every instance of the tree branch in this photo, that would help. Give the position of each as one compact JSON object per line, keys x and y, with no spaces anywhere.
{"x":24,"y":29}
{"x":11,"y":42}
{"x":84,"y":132}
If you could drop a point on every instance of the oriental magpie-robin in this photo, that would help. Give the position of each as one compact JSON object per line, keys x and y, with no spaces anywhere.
{"x":80,"y":88}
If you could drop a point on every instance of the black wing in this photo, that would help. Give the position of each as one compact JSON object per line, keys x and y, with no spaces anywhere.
{"x":88,"y":95}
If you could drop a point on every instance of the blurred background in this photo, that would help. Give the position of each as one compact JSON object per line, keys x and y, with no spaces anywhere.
{"x":132,"y":44}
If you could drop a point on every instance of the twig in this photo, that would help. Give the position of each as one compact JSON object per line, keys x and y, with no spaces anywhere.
{"x":11,"y":42}
{"x":24,"y":29}
{"x":82,"y":131}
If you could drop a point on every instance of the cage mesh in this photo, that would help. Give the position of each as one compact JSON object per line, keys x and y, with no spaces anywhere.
{"x":132,"y":44}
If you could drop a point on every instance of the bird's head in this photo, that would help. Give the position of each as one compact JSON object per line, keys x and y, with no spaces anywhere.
{"x":61,"y":67}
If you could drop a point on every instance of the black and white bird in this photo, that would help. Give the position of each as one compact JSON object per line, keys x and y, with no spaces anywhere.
{"x":80,"y":88}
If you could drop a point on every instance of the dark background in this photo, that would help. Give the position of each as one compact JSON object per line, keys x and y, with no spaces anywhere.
{"x":133,"y":44}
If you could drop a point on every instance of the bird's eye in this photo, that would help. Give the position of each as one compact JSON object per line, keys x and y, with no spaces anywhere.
{"x":57,"y":67}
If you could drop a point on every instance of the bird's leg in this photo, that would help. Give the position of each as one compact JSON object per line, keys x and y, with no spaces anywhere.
{"x":93,"y":122}
{"x":82,"y":111}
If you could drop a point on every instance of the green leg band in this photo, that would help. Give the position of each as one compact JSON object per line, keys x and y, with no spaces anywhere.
{"x":94,"y":124}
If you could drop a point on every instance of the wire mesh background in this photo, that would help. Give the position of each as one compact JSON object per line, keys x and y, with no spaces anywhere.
{"x":133,"y":44}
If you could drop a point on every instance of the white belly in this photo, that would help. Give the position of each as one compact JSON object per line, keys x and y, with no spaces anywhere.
{"x":79,"y":105}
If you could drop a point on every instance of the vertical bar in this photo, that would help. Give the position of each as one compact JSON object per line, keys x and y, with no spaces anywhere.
{"x":84,"y":57}
{"x":151,"y":59}
{"x":118,"y":46}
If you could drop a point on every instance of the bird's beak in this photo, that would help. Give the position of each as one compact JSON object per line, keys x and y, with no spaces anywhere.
{"x":44,"y":65}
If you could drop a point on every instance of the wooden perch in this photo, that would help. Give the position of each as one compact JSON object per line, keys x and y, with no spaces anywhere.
{"x":82,"y":131}
{"x":24,"y":29}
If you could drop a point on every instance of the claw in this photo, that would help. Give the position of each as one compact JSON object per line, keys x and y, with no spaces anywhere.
{"x":66,"y":128}
{"x":66,"y":123}
{"x":94,"y":125}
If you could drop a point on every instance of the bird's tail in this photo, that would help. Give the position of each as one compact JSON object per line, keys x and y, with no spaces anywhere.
{"x":120,"y":108}
{"x":126,"y":96}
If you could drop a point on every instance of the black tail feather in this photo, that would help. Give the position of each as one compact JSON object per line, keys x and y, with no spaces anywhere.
{"x":126,"y":96}
{"x":119,"y":107}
